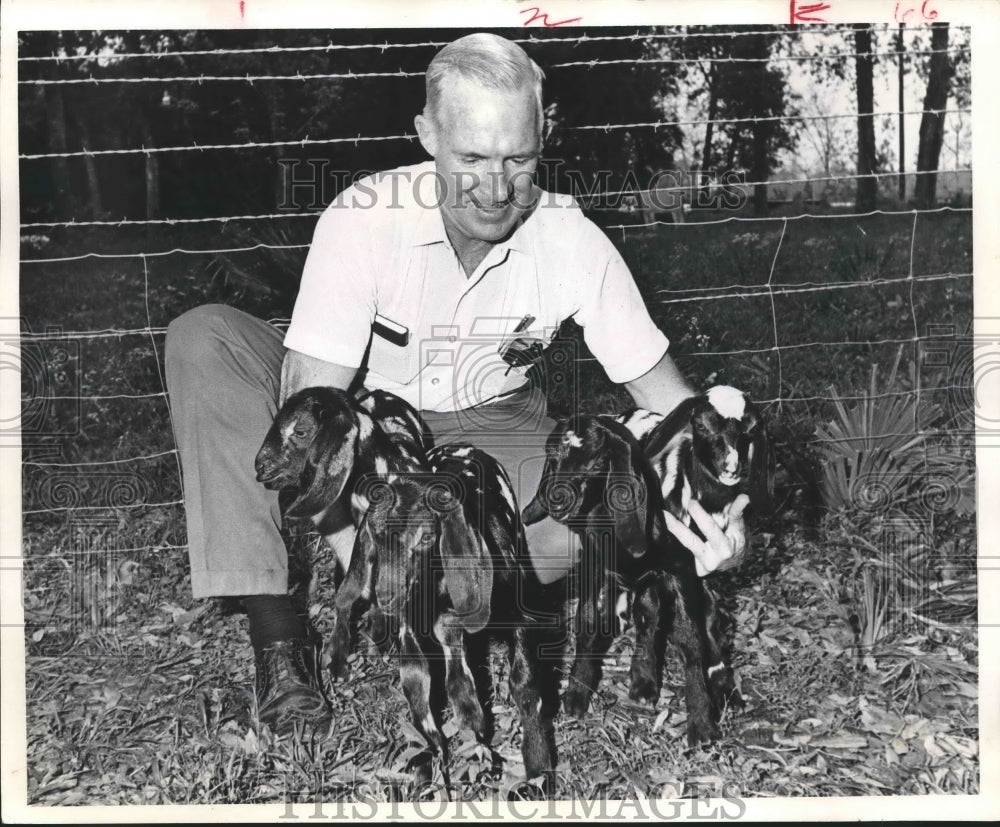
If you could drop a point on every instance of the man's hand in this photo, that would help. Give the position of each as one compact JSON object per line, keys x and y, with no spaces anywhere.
{"x":723,"y":546}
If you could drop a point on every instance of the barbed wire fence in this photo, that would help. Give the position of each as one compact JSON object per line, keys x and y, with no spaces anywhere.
{"x":77,"y":462}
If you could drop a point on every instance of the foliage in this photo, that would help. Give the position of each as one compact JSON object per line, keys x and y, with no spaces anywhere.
{"x":739,"y":91}
{"x":877,"y":454}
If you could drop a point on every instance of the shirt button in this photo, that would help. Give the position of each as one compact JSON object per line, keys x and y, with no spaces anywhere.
{"x":435,"y":380}
{"x":452,"y":338}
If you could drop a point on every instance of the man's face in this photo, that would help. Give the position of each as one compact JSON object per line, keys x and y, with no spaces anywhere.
{"x":485,"y":144}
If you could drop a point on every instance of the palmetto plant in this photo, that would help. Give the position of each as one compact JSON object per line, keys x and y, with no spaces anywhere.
{"x":880,"y":455}
{"x":889,"y":474}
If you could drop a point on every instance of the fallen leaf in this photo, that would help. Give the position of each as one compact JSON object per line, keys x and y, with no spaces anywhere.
{"x":931,"y":747}
{"x":911,"y":730}
{"x":966,"y":747}
{"x":840,"y":740}
{"x":967,"y":690}
{"x":880,"y":720}
{"x":660,"y":719}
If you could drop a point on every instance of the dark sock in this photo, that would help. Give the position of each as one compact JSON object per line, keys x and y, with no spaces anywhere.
{"x":272,"y":618}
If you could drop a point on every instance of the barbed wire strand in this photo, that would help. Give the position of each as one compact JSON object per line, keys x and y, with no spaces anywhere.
{"x":832,"y":28}
{"x":225,"y":219}
{"x":98,"y":463}
{"x":595,"y":63}
{"x":758,"y":219}
{"x":51,"y":510}
{"x":608,"y":127}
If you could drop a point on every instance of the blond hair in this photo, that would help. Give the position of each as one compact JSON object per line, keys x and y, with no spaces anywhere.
{"x":489,"y":60}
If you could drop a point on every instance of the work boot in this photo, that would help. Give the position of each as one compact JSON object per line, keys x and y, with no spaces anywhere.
{"x":287,"y":684}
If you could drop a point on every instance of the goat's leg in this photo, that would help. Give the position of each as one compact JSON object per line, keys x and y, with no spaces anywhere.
{"x":477,"y":655}
{"x":535,"y":651}
{"x":417,"y":682}
{"x":651,"y":625}
{"x":595,"y":622}
{"x":688,"y":631}
{"x":721,"y":685}
{"x":459,"y":681}
{"x":352,"y":598}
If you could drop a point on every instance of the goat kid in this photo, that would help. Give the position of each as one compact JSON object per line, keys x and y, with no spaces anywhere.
{"x":321,"y":445}
{"x":323,"y":440}
{"x":598,"y":482}
{"x":443,"y":555}
{"x":712,"y":448}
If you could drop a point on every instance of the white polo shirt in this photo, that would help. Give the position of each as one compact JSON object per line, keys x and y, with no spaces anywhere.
{"x":381,"y":248}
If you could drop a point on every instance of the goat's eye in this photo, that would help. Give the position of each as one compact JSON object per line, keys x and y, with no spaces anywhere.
{"x":302,"y":431}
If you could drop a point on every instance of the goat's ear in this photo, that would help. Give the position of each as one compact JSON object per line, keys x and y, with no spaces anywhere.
{"x":626,"y":494}
{"x":329,"y":463}
{"x":533,"y":512}
{"x":574,"y":458}
{"x":390,"y":558}
{"x":761,"y":478}
{"x":665,"y":435}
{"x":468,"y":568}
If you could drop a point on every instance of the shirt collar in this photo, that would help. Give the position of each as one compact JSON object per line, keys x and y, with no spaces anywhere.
{"x":430,"y":225}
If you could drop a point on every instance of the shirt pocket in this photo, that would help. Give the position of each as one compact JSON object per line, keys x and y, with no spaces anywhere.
{"x":388,"y":359}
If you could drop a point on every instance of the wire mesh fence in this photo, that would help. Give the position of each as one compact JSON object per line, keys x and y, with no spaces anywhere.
{"x":765,"y":272}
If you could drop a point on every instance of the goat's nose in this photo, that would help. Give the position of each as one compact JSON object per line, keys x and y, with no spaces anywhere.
{"x":732,"y":460}
{"x":263,"y":466}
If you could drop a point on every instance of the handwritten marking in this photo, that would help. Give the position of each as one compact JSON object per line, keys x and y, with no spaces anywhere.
{"x":243,"y":6}
{"x":925,"y":13}
{"x":806,"y":14}
{"x":538,"y":14}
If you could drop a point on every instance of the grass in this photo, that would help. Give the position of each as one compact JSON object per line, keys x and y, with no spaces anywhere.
{"x":851,"y":628}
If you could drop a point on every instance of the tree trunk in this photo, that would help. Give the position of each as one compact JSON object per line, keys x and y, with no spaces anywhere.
{"x":93,"y":182}
{"x":713,"y":104}
{"x":867,"y":184}
{"x":152,"y":175}
{"x":273,"y":109}
{"x":902,"y":118}
{"x":759,"y":172}
{"x":932,"y":123}
{"x":55,"y":113}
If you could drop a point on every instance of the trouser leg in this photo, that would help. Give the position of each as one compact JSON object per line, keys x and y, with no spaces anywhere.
{"x":514,"y":431}
{"x":223,"y":371}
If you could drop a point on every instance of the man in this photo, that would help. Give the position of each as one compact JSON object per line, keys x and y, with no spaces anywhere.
{"x":463,"y":258}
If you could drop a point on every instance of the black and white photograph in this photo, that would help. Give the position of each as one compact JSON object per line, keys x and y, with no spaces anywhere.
{"x":533,"y":411}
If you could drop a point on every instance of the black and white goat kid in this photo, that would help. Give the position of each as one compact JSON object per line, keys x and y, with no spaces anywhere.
{"x":323,"y":441}
{"x":443,"y":556}
{"x":712,"y":448}
{"x":597,"y":481}
{"x":322,"y":444}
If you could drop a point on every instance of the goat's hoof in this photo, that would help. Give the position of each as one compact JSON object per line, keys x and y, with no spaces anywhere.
{"x":470,"y":715}
{"x":702,"y":732}
{"x":577,"y":702}
{"x":733,"y":699}
{"x":527,"y":791}
{"x":644,"y":692}
{"x":339,"y":668}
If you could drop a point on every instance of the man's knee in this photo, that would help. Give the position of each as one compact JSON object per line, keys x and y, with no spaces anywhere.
{"x":195,"y":334}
